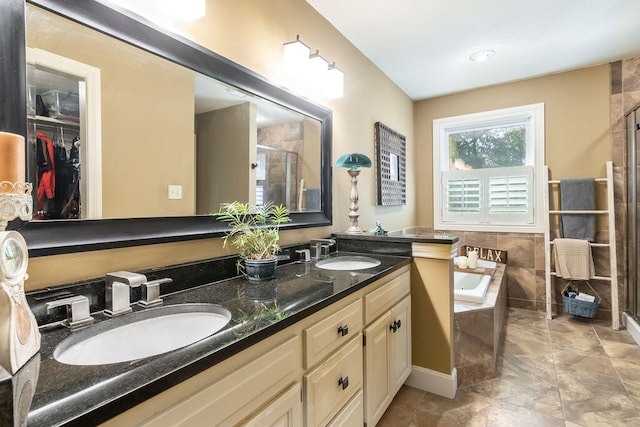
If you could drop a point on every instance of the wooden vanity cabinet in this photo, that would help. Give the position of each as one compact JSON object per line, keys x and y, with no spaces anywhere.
{"x":311,"y":373}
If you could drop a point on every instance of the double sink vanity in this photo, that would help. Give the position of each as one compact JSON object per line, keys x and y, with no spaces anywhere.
{"x":326,"y":342}
{"x":265,"y":342}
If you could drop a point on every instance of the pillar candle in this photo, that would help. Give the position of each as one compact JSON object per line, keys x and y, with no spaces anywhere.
{"x":12,"y":161}
{"x":463,"y":262}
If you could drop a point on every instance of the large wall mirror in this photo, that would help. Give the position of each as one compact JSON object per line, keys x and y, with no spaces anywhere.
{"x":155,"y":132}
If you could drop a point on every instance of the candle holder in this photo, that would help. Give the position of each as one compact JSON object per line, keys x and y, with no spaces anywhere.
{"x":353,"y":162}
{"x":19,"y":335}
{"x":15,"y":202}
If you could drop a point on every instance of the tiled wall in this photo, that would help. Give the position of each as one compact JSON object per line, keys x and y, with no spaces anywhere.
{"x":625,"y":95}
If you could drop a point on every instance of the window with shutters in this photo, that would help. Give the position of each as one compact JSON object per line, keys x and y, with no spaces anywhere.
{"x":485,"y":170}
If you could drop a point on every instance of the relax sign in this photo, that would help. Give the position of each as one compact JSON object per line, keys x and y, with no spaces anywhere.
{"x":488,"y":254}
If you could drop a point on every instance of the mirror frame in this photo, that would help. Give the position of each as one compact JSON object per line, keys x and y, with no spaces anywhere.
{"x":70,"y":236}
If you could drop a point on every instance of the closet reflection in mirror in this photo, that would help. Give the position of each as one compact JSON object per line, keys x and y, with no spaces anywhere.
{"x":145,"y":124}
{"x":53,"y":157}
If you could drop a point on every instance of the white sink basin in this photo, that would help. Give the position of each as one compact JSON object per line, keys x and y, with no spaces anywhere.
{"x":349,"y":263}
{"x":142,"y":334}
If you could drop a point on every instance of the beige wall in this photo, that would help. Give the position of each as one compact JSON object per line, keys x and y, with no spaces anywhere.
{"x":252,"y":33}
{"x":226,"y":140}
{"x":577,"y":124}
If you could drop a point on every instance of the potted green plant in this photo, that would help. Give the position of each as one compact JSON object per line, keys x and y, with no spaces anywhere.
{"x":255,"y":234}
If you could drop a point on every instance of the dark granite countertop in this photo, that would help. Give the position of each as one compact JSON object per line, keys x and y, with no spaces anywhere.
{"x":413,"y":234}
{"x":396,"y":243}
{"x":87,"y":395}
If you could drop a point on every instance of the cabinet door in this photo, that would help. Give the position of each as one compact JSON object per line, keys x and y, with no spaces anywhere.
{"x":376,"y":368}
{"x":283,"y":411}
{"x":400,"y":344}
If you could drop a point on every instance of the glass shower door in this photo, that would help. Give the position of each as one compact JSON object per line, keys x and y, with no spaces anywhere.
{"x":277,"y":177}
{"x":633,"y":211}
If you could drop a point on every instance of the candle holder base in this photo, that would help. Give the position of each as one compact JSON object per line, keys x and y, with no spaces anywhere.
{"x":15,"y":202}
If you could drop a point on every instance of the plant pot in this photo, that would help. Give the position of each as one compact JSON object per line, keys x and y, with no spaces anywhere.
{"x":260,"y":269}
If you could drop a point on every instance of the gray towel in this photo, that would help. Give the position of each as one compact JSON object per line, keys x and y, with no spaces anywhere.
{"x":578,"y":194}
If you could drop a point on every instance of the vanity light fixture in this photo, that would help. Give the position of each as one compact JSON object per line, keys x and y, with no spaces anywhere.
{"x":317,"y":68}
{"x":481,"y":55}
{"x":296,"y":55}
{"x":353,"y":162}
{"x":334,"y":87}
{"x":299,"y":62}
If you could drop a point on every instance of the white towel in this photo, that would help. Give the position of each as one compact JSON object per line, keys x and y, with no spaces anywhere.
{"x":573,"y":259}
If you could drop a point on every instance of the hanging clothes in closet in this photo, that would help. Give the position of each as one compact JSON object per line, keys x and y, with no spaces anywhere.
{"x":64,"y":179}
{"x":46,"y":175}
{"x":71,"y":207}
{"x":58,"y":175}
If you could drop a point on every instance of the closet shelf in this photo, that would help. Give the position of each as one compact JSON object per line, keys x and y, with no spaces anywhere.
{"x":613,"y":267}
{"x":54,"y":121}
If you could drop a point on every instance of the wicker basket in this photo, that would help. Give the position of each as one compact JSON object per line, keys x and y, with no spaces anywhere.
{"x":578,"y":307}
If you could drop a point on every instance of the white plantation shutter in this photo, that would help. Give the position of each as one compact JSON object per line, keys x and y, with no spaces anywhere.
{"x":482,"y":196}
{"x":510,"y":198}
{"x":462,"y":196}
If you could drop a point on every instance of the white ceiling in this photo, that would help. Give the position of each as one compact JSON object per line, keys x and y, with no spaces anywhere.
{"x":424,"y":45}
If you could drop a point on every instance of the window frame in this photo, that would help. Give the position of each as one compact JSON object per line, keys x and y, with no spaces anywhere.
{"x":533,"y":117}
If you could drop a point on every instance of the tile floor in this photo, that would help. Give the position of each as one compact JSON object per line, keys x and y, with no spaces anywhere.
{"x":566,"y":372}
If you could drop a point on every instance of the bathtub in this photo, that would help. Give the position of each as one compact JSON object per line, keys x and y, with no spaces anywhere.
{"x":470,"y":287}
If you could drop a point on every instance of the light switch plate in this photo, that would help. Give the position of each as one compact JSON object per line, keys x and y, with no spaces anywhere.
{"x":175,"y":192}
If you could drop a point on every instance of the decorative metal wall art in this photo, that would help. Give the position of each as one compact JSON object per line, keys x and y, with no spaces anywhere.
{"x":391,"y":166}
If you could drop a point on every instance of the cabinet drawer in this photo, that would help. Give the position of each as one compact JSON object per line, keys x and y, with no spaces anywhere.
{"x":324,"y":337}
{"x":378,"y":301}
{"x":352,"y":414}
{"x":330,"y":385}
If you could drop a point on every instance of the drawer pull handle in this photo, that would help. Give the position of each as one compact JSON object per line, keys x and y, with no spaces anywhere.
{"x":399,"y":323}
{"x":343,"y":330}
{"x":344,"y":382}
{"x":393,"y":327}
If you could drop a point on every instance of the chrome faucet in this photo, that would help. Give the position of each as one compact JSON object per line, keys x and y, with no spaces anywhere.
{"x":321,"y":247}
{"x":117,"y":291}
{"x":77,"y":311}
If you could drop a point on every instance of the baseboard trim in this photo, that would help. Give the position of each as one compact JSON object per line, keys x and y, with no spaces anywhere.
{"x":632,"y":326}
{"x":433,"y":381}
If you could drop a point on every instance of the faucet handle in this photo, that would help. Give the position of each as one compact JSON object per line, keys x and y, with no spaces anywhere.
{"x":77,"y":311}
{"x":151,"y":292}
{"x":306,"y":254}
